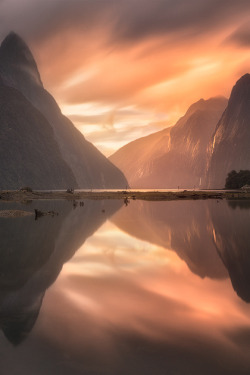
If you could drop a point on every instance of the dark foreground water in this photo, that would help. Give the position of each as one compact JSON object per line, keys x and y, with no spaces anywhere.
{"x":159,"y":288}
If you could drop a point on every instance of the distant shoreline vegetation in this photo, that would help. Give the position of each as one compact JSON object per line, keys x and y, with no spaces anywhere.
{"x":236,"y":180}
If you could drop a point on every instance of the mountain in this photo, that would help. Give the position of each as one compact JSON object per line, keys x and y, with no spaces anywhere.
{"x":29,"y":153}
{"x":229,"y":147}
{"x":176,"y":156}
{"x":89,"y":167}
{"x":136,"y":159}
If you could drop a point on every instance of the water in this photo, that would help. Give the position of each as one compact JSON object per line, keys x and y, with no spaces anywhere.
{"x":151,"y":288}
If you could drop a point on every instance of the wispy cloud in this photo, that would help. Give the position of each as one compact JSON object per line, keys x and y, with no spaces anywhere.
{"x":241,"y":36}
{"x":155,"y":56}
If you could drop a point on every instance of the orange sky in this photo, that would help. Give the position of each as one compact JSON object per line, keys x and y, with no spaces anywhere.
{"x":121,"y":69}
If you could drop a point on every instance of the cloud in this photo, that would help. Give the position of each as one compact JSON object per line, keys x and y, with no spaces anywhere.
{"x":124,"y":73}
{"x":111,"y":129}
{"x":156,"y":56}
{"x":38,"y":20}
{"x":126,"y":19}
{"x":133,"y":44}
{"x":139,"y":19}
{"x":240,"y":37}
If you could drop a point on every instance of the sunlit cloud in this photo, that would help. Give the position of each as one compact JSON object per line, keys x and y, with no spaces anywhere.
{"x":99,"y":57}
{"x":108,"y":127}
{"x":241,"y":36}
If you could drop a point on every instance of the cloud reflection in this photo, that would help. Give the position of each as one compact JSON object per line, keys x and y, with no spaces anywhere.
{"x":126,"y":289}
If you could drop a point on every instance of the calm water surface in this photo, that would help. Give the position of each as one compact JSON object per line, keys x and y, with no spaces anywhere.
{"x":157,"y":288}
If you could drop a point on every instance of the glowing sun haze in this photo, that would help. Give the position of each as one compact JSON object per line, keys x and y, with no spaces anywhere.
{"x":121,"y":69}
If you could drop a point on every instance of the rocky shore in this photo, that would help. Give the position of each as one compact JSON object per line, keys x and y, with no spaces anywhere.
{"x":15,"y":213}
{"x":24,"y":196}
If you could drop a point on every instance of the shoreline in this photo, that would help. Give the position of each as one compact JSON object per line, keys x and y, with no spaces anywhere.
{"x":23,"y":196}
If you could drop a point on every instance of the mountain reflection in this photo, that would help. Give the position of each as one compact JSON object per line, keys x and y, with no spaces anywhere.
{"x":232,"y":241}
{"x":182,"y":226}
{"x":32,"y":254}
{"x":123,"y":305}
{"x":212,"y":237}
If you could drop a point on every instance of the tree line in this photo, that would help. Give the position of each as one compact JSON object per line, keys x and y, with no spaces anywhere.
{"x":235,"y":180}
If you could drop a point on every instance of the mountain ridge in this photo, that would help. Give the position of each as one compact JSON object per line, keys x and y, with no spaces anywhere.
{"x":179,"y":159}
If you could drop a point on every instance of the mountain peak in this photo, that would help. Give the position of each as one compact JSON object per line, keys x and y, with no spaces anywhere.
{"x":244,"y":78}
{"x":213,"y":103}
{"x":16,"y":58}
{"x":241,"y":91}
{"x":13,"y":37}
{"x":15,"y":50}
{"x":243,"y":83}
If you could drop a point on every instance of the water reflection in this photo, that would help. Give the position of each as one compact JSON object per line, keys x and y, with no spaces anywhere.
{"x":232,"y":240}
{"x":212,"y":237}
{"x":141,"y":309}
{"x":32,"y":255}
{"x":148,"y":293}
{"x":183,"y":226}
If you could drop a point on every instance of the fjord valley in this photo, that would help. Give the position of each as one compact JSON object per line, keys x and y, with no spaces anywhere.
{"x":124,"y":187}
{"x":41,"y":148}
{"x":206,"y":144}
{"x":176,"y":156}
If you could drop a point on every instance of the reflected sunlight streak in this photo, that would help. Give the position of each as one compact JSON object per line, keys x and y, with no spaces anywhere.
{"x":118,"y":287}
{"x":152,"y":270}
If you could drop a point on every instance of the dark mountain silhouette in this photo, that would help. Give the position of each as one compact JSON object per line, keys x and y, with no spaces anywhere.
{"x":176,"y":156}
{"x":32,"y":254}
{"x":90,"y":168}
{"x":229,"y":147}
{"x":29,"y":153}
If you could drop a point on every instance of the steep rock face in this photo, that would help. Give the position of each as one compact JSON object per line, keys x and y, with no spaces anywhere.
{"x":178,"y":155}
{"x":136,"y":158}
{"x":184,"y":165}
{"x":229,"y":147}
{"x":29,"y":153}
{"x":90,"y":168}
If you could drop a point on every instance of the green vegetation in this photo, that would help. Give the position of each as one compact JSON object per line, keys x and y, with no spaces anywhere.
{"x":235,"y":180}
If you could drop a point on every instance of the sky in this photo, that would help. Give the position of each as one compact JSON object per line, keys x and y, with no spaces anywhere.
{"x":122,"y":69}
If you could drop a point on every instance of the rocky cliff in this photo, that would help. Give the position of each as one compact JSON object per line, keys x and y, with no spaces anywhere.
{"x":136,"y":159}
{"x":229,"y":147}
{"x":176,"y":156}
